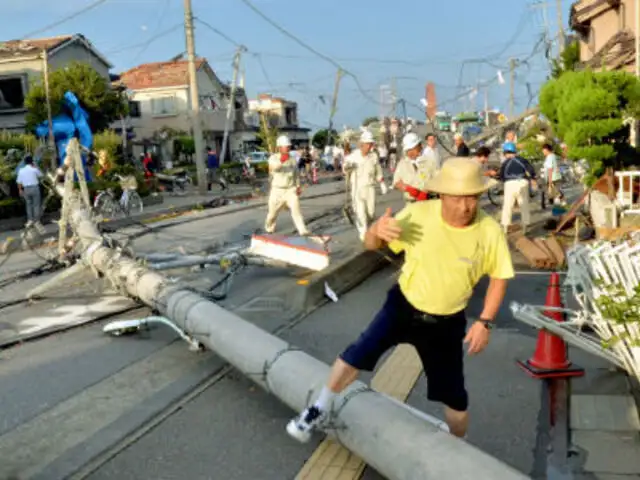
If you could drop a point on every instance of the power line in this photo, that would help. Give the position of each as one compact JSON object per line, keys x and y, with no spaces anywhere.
{"x":220,"y":33}
{"x":147,"y":42}
{"x":76,"y":14}
{"x":163,"y":13}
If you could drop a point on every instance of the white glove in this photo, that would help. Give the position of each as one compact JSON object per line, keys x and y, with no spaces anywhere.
{"x":383,"y":188}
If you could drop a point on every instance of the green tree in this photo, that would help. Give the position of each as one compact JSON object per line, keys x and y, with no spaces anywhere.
{"x":589,"y":111}
{"x":268,"y":132}
{"x":569,"y":60}
{"x":322,"y":138}
{"x":103,"y":103}
{"x":368,"y":121}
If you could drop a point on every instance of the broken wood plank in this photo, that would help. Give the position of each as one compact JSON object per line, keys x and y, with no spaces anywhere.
{"x":534,"y":255}
{"x":557,"y":249}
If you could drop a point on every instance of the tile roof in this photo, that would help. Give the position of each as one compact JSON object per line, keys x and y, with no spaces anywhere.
{"x":29,"y":48}
{"x":159,"y":74}
{"x":618,"y":52}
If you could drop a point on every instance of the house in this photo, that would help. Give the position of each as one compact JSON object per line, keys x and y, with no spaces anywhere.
{"x":22,"y":61}
{"x":160,"y":101}
{"x":279,"y":113}
{"x":606,"y":32}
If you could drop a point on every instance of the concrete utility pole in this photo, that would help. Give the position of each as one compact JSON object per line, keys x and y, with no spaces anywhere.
{"x":195,"y":98}
{"x":634,"y":124}
{"x":51,"y":139}
{"x":334,"y":103}
{"x":560,"y":27}
{"x":394,"y":96}
{"x":384,"y":433}
{"x":512,"y":86}
{"x":486,"y":105}
{"x":231,"y":108}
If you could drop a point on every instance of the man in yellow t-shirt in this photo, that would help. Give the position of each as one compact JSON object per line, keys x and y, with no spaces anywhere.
{"x":449,"y":245}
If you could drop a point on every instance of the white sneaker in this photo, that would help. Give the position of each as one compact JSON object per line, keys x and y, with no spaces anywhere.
{"x":29,"y":224}
{"x":301,"y":428}
{"x":40,"y":228}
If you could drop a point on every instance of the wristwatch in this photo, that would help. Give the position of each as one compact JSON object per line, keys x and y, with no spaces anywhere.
{"x":488,"y":324}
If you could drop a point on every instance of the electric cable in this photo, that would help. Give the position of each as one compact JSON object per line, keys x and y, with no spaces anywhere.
{"x":76,"y":14}
{"x":147,"y":42}
{"x":163,"y":13}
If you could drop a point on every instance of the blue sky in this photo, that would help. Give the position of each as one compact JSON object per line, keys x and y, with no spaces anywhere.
{"x":375,"y":40}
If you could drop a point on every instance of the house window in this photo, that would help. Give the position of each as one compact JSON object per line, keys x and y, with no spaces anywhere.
{"x":163,"y":106}
{"x":134,"y":109}
{"x":11,"y":93}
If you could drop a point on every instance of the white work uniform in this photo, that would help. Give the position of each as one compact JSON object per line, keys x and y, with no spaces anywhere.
{"x":284,"y":183}
{"x":415,"y":173}
{"x":365,"y":173}
{"x":433,"y":153}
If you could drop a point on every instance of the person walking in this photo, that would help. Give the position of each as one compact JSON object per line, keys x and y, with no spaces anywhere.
{"x":518,"y":175}
{"x":28,"y":181}
{"x":364,"y":171}
{"x":426,"y":308}
{"x":482,"y":157}
{"x":552,"y":175}
{"x":414,"y":170}
{"x":462,"y":150}
{"x":285,"y":187}
{"x":431,"y":150}
{"x":213,"y":164}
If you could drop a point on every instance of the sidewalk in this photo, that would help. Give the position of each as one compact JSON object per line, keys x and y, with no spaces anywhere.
{"x":604,"y":425}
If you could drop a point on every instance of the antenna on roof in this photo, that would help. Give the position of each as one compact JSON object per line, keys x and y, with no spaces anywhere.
{"x":177,"y":57}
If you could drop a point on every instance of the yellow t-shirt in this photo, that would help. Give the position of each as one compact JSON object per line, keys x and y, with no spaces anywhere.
{"x":443,"y":264}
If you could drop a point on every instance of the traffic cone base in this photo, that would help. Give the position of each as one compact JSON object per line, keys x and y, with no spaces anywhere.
{"x":550,"y":358}
{"x":570,"y":370}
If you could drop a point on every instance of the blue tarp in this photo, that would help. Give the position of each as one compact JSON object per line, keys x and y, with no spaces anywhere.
{"x":71,"y":123}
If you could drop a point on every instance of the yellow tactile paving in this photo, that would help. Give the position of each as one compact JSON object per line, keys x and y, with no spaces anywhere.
{"x":396,"y":377}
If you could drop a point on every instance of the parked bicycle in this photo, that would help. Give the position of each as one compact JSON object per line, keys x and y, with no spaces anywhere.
{"x":130,"y":202}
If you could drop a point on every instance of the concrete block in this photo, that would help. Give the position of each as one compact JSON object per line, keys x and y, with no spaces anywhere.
{"x":607,"y":413}
{"x":609,"y":453}
{"x":604,"y":476}
{"x":601,"y":381}
{"x":306,"y":252}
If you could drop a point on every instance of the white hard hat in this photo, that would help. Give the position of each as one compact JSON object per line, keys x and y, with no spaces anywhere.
{"x":367,"y":137}
{"x":410,"y":140}
{"x":283,"y":141}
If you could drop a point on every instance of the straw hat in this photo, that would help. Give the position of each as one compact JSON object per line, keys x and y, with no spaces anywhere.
{"x":460,"y":176}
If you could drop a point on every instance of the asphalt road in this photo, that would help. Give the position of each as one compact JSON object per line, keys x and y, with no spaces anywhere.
{"x":66,"y":396}
{"x":233,"y":430}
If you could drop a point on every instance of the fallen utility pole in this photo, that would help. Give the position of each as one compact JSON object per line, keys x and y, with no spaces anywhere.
{"x":499,"y":129}
{"x":387,"y":436}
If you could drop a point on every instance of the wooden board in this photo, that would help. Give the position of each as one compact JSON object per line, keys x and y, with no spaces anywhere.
{"x":396,"y":378}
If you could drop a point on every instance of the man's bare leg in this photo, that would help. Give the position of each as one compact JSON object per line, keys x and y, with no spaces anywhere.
{"x":457,"y":421}
{"x":342,"y":375}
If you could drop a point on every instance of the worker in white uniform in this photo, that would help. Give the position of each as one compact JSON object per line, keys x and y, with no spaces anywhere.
{"x":364,"y":170}
{"x":285,"y":187}
{"x":414,"y":170}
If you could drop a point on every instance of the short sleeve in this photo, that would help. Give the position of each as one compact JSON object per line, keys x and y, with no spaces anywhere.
{"x":402,"y":217}
{"x":498,"y":263}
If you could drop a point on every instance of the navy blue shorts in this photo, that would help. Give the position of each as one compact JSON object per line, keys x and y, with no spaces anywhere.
{"x":438,"y":340}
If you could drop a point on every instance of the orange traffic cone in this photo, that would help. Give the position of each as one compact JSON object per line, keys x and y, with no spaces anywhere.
{"x":550,"y":359}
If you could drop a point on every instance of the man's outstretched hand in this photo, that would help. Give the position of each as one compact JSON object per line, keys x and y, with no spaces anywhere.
{"x":387,"y":228}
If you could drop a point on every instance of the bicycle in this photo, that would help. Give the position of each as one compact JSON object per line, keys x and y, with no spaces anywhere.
{"x":130,"y":203}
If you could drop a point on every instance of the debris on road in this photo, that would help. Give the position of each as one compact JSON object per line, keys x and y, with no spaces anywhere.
{"x":542,"y":253}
